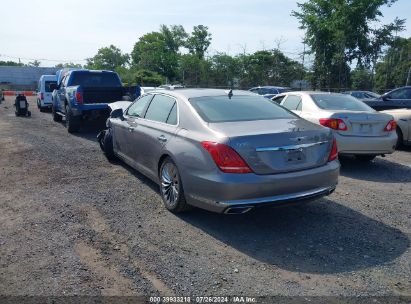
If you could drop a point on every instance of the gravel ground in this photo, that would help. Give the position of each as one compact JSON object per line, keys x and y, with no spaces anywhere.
{"x":72,"y":223}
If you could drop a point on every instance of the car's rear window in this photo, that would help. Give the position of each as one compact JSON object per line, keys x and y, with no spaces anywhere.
{"x":47,"y":86}
{"x":238,"y":108}
{"x":95,"y":79}
{"x":339,"y":102}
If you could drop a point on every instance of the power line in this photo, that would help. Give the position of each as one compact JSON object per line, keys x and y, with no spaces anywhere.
{"x":41,"y":59}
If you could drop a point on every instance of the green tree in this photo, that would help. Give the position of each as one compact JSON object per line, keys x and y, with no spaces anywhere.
{"x":108,"y":58}
{"x":159,"y":51}
{"x":199,"y":41}
{"x":69,"y":65}
{"x":340,"y":31}
{"x":34,"y":63}
{"x":361,"y":79}
{"x":10,"y":63}
{"x":393,"y":69}
{"x":194,"y":71}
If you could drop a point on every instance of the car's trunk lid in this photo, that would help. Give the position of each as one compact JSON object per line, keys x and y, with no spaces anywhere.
{"x":363,"y":124}
{"x":281,"y":145}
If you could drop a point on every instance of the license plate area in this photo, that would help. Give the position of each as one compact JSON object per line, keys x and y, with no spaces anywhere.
{"x":365,"y":128}
{"x":294,"y":156}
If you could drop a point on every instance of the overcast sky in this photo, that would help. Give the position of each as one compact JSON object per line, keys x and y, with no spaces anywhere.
{"x":72,"y":30}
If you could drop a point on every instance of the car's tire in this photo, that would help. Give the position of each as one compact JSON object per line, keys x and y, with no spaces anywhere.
{"x":106,"y":144}
{"x":38,"y":105}
{"x":365,"y":157}
{"x":28,"y":113}
{"x":56,"y":117}
{"x":72,"y":123}
{"x":171,"y":187}
{"x":400,"y":139}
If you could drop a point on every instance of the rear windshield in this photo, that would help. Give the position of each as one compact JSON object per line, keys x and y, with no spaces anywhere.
{"x":47,"y":86}
{"x":238,"y":108}
{"x":94,"y":79}
{"x":339,"y":102}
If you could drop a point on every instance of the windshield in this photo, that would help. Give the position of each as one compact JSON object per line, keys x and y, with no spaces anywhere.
{"x":372,"y":94}
{"x":95,"y":79}
{"x":238,"y":108}
{"x":47,"y":86}
{"x":339,"y":102}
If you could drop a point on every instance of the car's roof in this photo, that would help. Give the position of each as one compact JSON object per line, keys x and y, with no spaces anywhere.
{"x":49,"y":76}
{"x":198,"y":92}
{"x":269,"y":87}
{"x":311,"y":92}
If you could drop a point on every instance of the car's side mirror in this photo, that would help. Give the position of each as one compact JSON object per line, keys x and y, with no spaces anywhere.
{"x":117,"y":113}
{"x":53,"y":86}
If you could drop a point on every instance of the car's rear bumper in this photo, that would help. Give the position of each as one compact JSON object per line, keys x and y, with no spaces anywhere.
{"x":228,"y":193}
{"x":366,"y":145}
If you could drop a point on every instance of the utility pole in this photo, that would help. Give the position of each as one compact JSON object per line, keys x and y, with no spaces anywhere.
{"x":302,"y":72}
{"x":408,"y":76}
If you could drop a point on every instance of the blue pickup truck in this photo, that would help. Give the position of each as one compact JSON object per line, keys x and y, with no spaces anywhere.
{"x":83,"y":95}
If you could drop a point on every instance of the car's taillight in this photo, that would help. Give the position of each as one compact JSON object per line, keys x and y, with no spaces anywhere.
{"x":42,"y":96}
{"x":391,"y":126}
{"x":79,"y":97}
{"x":334,"y":151}
{"x":226,"y":158}
{"x":334,"y":123}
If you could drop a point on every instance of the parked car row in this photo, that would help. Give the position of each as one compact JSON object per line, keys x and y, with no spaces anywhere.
{"x":226,"y":151}
{"x":358,"y":129}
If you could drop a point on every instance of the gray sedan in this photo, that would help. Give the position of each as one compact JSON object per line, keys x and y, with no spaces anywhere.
{"x":224,"y":151}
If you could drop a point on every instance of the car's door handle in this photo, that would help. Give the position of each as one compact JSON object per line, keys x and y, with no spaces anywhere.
{"x":162,"y":138}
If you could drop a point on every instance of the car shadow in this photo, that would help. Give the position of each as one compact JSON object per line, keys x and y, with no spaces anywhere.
{"x":321,"y":237}
{"x":88,"y":131}
{"x":141,"y":177}
{"x":379,"y":170}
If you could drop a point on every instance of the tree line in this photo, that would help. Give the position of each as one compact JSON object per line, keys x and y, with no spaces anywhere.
{"x":350,"y":48}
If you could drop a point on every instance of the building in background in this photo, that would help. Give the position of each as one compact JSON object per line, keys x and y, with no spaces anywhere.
{"x":22,"y":78}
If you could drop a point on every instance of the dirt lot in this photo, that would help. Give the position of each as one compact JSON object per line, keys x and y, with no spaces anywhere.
{"x":73,"y":223}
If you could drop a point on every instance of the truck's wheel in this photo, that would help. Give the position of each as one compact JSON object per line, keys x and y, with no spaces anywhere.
{"x":72,"y":123}
{"x":56,"y":117}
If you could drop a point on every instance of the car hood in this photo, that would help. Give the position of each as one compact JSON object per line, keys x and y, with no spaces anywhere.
{"x":119,"y":105}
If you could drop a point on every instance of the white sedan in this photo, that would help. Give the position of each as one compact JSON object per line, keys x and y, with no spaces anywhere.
{"x":403,"y":119}
{"x":358,"y":129}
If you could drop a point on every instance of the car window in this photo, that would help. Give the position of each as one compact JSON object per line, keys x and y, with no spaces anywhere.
{"x":160,"y":108}
{"x":401,"y":94}
{"x":238,"y":108}
{"x":278,"y":99}
{"x":47,"y":86}
{"x":358,"y":94}
{"x":339,"y":102}
{"x":137,"y":108}
{"x":172,"y":117}
{"x":95,"y":79}
{"x":292,"y":102}
{"x":273,"y":91}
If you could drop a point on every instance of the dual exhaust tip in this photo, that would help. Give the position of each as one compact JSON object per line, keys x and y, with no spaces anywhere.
{"x":238,"y":210}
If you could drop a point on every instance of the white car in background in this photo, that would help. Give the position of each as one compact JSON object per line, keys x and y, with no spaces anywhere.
{"x":358,"y":129}
{"x":44,"y":92}
{"x":403,"y":119}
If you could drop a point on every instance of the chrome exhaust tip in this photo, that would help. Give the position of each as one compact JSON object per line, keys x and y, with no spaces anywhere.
{"x":238,"y":210}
